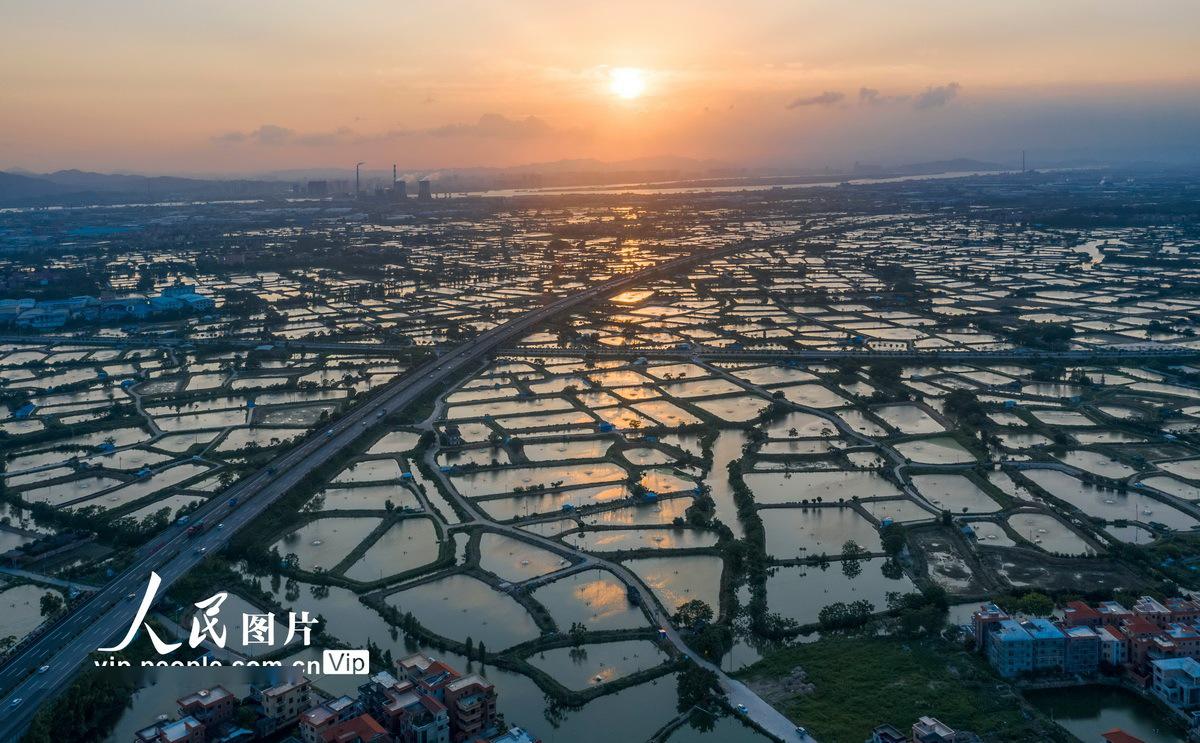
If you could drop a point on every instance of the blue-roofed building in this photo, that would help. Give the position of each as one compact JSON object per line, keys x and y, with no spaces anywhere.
{"x":165,"y":304}
{"x":40,"y":318}
{"x":187,"y":296}
{"x":1010,"y":649}
{"x":1049,"y":644}
{"x":515,"y":735}
{"x":1082,"y":653}
{"x":1176,"y":681}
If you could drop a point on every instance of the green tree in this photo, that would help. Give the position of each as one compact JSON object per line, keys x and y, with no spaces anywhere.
{"x":1033,"y":603}
{"x":843,"y":615}
{"x":963,"y":407}
{"x":694,"y":686}
{"x":51,"y":604}
{"x":894,"y":538}
{"x":692,"y":613}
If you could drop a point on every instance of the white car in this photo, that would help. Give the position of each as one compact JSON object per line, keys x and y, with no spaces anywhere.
{"x":741,"y":708}
{"x":16,"y":702}
{"x":43,"y":669}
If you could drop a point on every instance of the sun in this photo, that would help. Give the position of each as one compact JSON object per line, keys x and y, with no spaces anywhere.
{"x":626,"y":82}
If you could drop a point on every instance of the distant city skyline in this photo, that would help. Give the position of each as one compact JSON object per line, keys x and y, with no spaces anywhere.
{"x":224,"y":87}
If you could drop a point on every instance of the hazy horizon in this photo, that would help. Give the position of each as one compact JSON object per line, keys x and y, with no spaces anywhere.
{"x":222,"y":88}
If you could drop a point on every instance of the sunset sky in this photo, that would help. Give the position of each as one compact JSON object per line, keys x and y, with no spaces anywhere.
{"x":185,"y":86}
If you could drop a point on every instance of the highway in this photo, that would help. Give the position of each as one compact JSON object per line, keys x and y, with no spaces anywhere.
{"x":65,"y":647}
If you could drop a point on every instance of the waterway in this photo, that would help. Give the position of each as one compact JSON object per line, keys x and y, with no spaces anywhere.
{"x":1090,"y":712}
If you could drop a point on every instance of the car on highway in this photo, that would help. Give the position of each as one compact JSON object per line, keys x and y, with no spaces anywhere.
{"x":201,"y":550}
{"x":741,"y":708}
{"x":16,"y":702}
{"x":221,"y":525}
{"x":43,"y":669}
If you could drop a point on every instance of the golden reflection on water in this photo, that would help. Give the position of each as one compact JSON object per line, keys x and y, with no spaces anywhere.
{"x":604,"y":597}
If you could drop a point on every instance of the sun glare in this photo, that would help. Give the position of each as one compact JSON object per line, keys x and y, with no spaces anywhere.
{"x":626,"y":82}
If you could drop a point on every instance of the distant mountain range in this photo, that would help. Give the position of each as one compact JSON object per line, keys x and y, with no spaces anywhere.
{"x":20,"y":188}
{"x":83,"y":187}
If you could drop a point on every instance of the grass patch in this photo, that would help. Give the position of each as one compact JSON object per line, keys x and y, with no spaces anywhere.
{"x":864,"y":682}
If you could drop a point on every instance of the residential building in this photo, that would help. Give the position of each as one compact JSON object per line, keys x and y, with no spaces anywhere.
{"x":209,"y":706}
{"x":428,"y":675}
{"x":361,"y":728}
{"x":1185,"y":638}
{"x":281,"y":705}
{"x":1010,"y":649}
{"x":471,"y":702}
{"x":1082,"y":652}
{"x":186,"y":730}
{"x":932,"y":730}
{"x":1152,"y":611}
{"x":1114,"y":646}
{"x":1079,"y":614}
{"x":1183,"y":610}
{"x":1113,"y":613}
{"x":1049,"y":643}
{"x":983,"y":622}
{"x":1176,"y":681}
{"x":410,"y":716}
{"x":887,"y":734}
{"x":316,"y":721}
